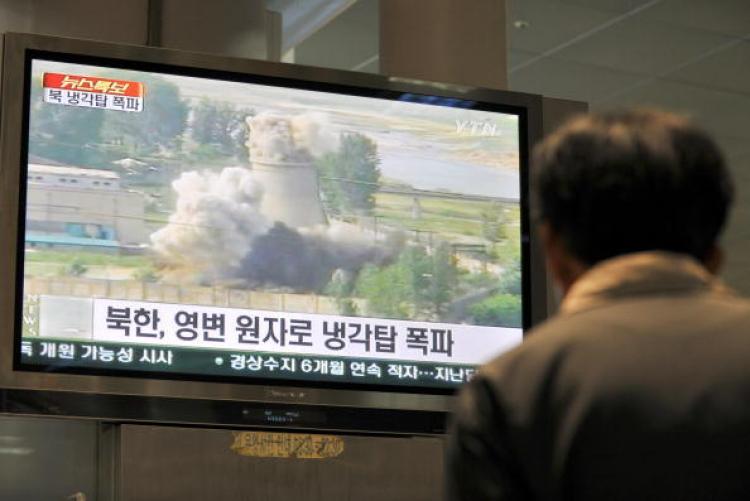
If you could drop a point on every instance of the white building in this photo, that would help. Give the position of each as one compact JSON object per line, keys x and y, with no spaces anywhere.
{"x":73,"y":177}
{"x":76,"y":206}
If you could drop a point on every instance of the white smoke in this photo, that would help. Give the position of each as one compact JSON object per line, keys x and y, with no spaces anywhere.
{"x":277,"y":138}
{"x":215,"y":221}
{"x":314,"y":132}
{"x":339,"y":234}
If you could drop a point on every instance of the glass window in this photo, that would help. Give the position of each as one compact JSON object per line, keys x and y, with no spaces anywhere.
{"x":47,"y":459}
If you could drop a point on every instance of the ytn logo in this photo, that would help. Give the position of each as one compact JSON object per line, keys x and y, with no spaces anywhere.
{"x":476,"y":128}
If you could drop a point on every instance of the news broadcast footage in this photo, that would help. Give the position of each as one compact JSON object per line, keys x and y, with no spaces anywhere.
{"x":204,"y":227}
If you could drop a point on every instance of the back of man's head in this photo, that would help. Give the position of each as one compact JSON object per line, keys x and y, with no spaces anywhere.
{"x":614,"y":183}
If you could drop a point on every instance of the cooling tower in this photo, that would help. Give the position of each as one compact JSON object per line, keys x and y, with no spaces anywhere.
{"x":282,"y":163}
{"x":290,"y":193}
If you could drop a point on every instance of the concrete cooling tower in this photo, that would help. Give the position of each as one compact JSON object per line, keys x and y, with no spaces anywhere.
{"x":280,"y":155}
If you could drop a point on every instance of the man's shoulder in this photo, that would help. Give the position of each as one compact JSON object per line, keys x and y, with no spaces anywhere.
{"x":637,"y":314}
{"x":591,"y":336}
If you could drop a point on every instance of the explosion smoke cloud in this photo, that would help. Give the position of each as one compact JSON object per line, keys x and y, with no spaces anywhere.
{"x":220,"y":232}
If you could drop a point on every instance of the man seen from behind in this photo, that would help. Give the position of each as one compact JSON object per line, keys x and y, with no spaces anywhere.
{"x":639,"y":388}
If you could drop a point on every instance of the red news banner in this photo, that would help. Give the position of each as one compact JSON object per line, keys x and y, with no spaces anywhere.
{"x":93,"y":92}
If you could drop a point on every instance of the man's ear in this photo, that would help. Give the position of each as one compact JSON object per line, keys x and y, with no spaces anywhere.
{"x":564,"y":268}
{"x":714,"y":260}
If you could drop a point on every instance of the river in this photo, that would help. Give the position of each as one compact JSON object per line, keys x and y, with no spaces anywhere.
{"x":434,"y":174}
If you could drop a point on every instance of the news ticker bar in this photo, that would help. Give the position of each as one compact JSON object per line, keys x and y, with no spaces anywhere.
{"x":196,"y":363}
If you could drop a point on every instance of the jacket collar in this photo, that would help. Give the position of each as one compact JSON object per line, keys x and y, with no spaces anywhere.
{"x":638,"y":274}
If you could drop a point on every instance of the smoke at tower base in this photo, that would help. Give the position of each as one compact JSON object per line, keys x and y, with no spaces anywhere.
{"x":218,"y":235}
{"x":306,"y":261}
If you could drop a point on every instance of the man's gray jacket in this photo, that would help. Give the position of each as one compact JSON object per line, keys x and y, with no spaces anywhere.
{"x":638,"y":390}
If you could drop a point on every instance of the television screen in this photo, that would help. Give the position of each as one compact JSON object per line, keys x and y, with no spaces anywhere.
{"x":261,"y":229}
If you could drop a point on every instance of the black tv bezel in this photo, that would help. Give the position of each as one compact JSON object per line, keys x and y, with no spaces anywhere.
{"x":526,"y":107}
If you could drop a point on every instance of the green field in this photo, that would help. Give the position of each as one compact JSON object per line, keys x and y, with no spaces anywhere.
{"x":441,"y":216}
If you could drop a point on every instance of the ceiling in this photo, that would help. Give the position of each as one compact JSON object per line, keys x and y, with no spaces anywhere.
{"x":691,"y":56}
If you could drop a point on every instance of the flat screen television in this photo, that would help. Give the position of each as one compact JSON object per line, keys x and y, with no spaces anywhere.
{"x":206,"y":229}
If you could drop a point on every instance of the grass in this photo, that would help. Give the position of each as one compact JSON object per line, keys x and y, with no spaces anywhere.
{"x":41,"y":269}
{"x":85,"y":258}
{"x":427,"y":222}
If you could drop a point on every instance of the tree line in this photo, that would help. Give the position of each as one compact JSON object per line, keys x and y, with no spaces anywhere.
{"x":94,"y":137}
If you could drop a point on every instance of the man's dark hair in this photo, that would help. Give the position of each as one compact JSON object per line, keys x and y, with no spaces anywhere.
{"x":628,"y":181}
